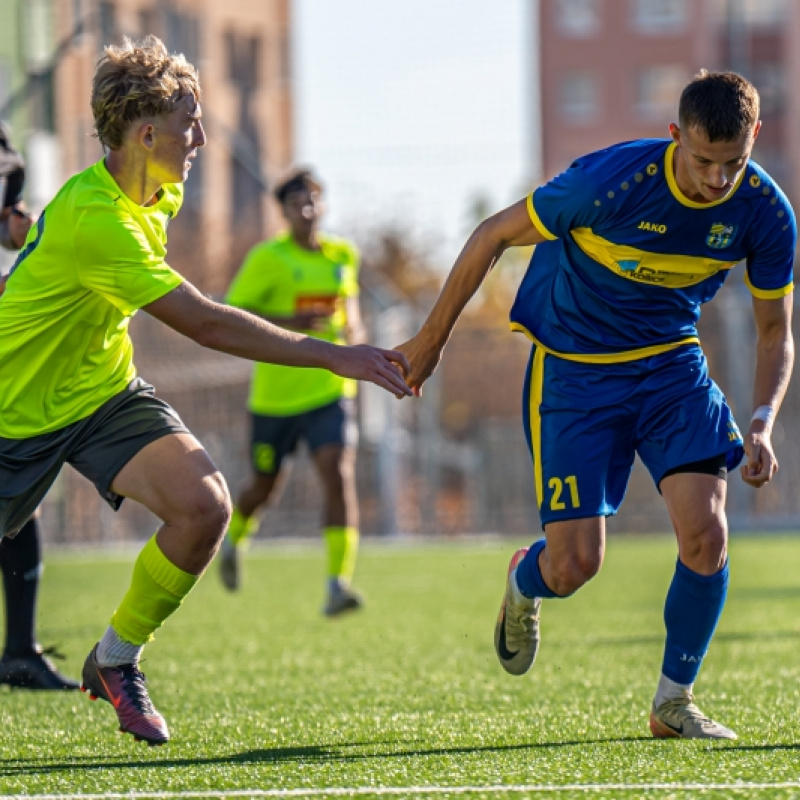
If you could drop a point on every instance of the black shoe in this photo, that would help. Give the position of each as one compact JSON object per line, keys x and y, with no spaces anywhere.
{"x":34,"y":671}
{"x":341,"y":600}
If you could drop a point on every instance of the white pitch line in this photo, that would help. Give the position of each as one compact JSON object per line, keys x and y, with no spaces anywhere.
{"x":412,"y":791}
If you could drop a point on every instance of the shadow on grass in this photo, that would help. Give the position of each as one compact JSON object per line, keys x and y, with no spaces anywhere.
{"x":648,"y":639}
{"x":763,"y":748}
{"x":280,"y":755}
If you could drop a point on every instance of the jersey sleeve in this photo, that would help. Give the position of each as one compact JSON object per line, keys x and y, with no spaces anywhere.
{"x":568,"y":201}
{"x":117,"y":261}
{"x":769,"y":269}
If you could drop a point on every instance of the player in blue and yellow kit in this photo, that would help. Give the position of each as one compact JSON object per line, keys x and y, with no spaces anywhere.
{"x":631,"y":241}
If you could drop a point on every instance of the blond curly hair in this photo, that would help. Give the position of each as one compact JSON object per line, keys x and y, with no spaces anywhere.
{"x":136,"y":80}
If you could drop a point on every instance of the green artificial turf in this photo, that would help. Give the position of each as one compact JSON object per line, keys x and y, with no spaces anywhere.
{"x":262,"y":694}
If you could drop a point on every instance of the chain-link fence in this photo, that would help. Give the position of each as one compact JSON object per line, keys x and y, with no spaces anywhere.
{"x":453,"y":462}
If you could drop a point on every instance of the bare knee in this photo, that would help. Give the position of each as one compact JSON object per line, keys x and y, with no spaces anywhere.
{"x":206,"y":511}
{"x":705,"y":551}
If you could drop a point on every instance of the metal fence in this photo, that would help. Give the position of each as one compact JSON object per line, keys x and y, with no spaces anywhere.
{"x":418,"y":472}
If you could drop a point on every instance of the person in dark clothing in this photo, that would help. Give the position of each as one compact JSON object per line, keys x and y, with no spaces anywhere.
{"x":24,"y":663}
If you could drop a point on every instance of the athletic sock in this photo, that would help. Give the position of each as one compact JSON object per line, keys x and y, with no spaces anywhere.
{"x":21,"y":566}
{"x":342,"y":544}
{"x":112,"y":651}
{"x":669,"y":690}
{"x":241,"y":527}
{"x":157,"y":589}
{"x":529,"y":576}
{"x":691,"y":612}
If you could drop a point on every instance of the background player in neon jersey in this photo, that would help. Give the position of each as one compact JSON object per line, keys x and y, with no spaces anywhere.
{"x":23,"y":664}
{"x":69,"y":392}
{"x":631,"y":240}
{"x":305,"y":280}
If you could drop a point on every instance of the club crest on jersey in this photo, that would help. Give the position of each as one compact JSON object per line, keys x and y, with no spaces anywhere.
{"x":721,"y":235}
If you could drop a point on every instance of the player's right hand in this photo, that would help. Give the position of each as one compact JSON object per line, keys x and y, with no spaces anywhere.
{"x":760,"y":465}
{"x":423,"y":358}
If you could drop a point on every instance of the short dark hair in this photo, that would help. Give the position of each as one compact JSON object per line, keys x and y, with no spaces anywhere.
{"x":722,"y":104}
{"x":298,"y":180}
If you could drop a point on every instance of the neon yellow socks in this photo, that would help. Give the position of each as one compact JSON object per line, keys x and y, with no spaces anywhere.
{"x":342,"y":545}
{"x":241,"y":527}
{"x":157,"y":589}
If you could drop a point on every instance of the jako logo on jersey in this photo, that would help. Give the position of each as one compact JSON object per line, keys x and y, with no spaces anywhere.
{"x":721,"y":235}
{"x":652,"y":226}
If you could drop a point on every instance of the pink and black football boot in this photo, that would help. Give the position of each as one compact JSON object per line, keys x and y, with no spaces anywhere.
{"x":125,"y":688}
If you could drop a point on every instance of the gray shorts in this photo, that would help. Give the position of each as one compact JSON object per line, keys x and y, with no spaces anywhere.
{"x":98,"y":447}
{"x":274,"y":438}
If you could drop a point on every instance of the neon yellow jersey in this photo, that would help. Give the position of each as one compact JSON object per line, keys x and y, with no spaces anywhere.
{"x":278,"y":279}
{"x":91,"y":261}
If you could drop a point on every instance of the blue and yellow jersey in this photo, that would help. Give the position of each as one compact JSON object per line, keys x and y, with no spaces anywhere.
{"x":629,"y":259}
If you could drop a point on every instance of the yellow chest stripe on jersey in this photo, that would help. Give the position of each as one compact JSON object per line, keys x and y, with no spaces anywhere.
{"x":641,"y":266}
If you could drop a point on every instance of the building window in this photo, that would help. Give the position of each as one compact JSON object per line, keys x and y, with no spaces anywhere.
{"x":107,"y":21}
{"x":578,"y":19}
{"x":79,"y":21}
{"x":660,"y":17}
{"x":578,"y":99}
{"x":658,"y":90}
{"x":148,"y":22}
{"x":182,"y":34}
{"x":762,"y":13}
{"x":770,"y":79}
{"x":37,"y":45}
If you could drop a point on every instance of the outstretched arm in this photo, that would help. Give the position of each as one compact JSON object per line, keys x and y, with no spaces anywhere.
{"x":511,"y":227}
{"x":239,"y":333}
{"x":774,"y":360}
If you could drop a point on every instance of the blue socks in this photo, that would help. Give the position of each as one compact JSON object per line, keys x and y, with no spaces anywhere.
{"x":691,"y":612}
{"x":693,"y":607}
{"x":529,"y":576}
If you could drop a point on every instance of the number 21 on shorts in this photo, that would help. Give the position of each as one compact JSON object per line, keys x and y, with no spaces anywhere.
{"x":559,"y":497}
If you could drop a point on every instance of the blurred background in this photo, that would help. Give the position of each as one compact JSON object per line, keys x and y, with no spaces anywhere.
{"x":421,"y":117}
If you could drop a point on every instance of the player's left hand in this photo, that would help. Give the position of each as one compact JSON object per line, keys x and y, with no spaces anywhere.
{"x":760,"y":464}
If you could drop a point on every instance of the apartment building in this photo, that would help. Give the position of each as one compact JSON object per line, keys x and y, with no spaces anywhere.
{"x":242,"y":50}
{"x":612,"y":70}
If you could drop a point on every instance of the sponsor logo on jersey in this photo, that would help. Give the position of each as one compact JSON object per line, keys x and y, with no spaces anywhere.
{"x":721,"y":235}
{"x":635,"y":270}
{"x":656,"y":227}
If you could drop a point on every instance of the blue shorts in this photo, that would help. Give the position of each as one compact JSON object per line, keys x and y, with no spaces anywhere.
{"x":585,"y":423}
{"x":274,"y":438}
